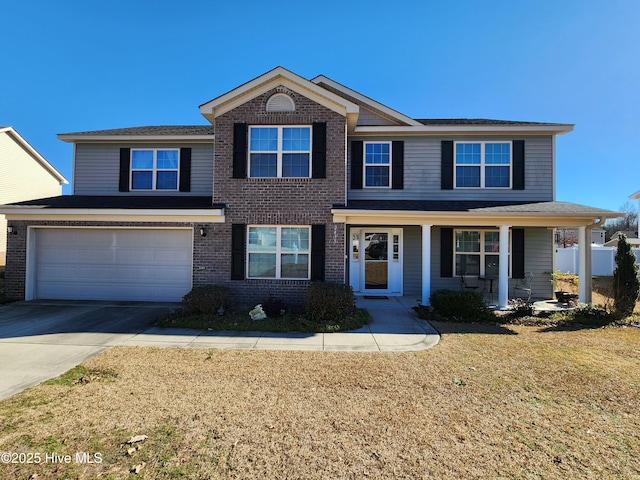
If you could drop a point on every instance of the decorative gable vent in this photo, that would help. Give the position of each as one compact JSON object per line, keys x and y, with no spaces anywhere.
{"x":280,"y":102}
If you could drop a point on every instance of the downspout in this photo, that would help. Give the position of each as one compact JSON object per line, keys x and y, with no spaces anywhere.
{"x":589,"y":277}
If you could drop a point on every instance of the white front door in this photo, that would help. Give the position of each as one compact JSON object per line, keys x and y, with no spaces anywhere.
{"x":376,"y":261}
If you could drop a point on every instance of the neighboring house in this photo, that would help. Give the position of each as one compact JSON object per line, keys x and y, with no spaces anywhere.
{"x":24,"y":175}
{"x":567,"y":237}
{"x":293,"y":181}
{"x":636,"y":196}
{"x":632,"y":239}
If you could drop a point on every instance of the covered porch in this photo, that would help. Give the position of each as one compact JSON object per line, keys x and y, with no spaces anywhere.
{"x":508,"y":240}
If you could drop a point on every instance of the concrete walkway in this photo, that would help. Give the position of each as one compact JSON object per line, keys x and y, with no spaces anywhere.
{"x":41,"y":340}
{"x":393,"y":327}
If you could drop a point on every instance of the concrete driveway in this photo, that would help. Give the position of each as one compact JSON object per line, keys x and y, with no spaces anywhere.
{"x":41,"y":340}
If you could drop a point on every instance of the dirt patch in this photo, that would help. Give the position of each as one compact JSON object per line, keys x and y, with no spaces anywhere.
{"x":530,"y":404}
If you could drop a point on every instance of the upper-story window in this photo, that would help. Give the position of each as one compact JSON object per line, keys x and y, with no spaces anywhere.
{"x":483,"y":165}
{"x":283,"y":151}
{"x":154,"y":169}
{"x":377,"y":164}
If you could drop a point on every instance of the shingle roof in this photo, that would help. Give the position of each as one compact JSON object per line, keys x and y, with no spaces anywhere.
{"x":125,"y":202}
{"x":561,"y":208}
{"x":152,"y":130}
{"x":474,"y":121}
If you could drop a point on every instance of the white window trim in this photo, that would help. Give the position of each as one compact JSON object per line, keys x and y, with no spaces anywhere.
{"x":280,"y":152}
{"x":365,"y":165}
{"x":483,"y":165}
{"x":278,"y":253}
{"x":481,"y":253}
{"x":154,"y":170}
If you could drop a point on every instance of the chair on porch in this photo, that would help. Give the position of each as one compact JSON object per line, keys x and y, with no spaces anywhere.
{"x":465,"y":286}
{"x":524,"y":285}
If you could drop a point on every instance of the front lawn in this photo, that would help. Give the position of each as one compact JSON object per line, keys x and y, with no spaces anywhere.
{"x":487,"y":402}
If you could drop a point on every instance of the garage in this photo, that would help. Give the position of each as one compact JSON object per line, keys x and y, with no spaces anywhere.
{"x":110,"y":264}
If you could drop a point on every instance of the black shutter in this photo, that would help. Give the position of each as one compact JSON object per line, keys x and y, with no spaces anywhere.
{"x":125,"y":156}
{"x":397,"y":165}
{"x":446,"y":252}
{"x":237,"y":251}
{"x":317,"y":252}
{"x":517,"y":253}
{"x":446,"y":161}
{"x":518,"y":165}
{"x":185,"y":169}
{"x":319,"y":151}
{"x":240,"y":150}
{"x":356,"y":164}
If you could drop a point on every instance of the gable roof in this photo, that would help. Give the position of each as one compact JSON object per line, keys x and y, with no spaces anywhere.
{"x":365,"y":101}
{"x":16,"y":137}
{"x":279,"y":76}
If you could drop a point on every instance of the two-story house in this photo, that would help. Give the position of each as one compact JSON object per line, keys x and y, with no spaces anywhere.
{"x":293,"y":181}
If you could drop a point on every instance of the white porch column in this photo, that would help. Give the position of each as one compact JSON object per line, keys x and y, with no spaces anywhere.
{"x":503,"y":274}
{"x":583,"y":248}
{"x":426,"y":264}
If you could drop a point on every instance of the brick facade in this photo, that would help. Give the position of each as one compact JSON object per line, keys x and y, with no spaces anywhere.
{"x":278,"y":201}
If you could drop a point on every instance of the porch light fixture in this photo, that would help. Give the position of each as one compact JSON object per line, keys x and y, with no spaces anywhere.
{"x":11,"y":230}
{"x":203,"y":232}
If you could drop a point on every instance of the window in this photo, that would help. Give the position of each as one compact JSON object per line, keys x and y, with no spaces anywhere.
{"x":154,"y":169}
{"x":477,"y":253}
{"x":482,"y":165}
{"x":278,"y":252}
{"x":280,"y":152}
{"x":377,"y":164}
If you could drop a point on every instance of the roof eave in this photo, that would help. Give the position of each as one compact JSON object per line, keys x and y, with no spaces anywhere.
{"x":34,"y":153}
{"x":80,"y":138}
{"x":279,"y":77}
{"x":476,"y":218}
{"x":551,"y":129}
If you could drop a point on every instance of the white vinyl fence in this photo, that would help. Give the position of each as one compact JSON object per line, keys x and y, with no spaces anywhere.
{"x":603,"y":260}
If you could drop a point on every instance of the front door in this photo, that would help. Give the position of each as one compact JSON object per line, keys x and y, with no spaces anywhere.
{"x":376,"y":261}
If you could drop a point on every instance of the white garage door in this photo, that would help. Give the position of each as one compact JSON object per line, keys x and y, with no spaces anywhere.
{"x":106,"y":264}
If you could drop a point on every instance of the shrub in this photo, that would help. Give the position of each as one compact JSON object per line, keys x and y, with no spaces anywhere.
{"x":519,"y":307}
{"x":460,"y":305}
{"x":207,"y":299}
{"x":273,"y":307}
{"x":625,"y":280}
{"x":330,"y":302}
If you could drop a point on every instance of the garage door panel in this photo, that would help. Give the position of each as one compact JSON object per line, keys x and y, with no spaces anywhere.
{"x":119,"y":264}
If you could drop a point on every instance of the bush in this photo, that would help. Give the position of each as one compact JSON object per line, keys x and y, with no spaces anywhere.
{"x":519,"y":307}
{"x":625,"y":280}
{"x":330,"y":302}
{"x":460,"y":305}
{"x":273,"y":307}
{"x":207,"y":299}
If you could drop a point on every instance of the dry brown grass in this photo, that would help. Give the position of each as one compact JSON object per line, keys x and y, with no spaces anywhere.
{"x":487,"y":402}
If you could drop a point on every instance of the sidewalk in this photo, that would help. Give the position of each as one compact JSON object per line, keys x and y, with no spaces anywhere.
{"x":393,"y":327}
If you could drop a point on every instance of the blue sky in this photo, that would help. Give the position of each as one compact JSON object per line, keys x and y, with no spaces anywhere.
{"x":86,"y":65}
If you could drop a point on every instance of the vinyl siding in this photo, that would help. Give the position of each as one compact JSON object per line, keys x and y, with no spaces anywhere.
{"x":422,"y":173}
{"x":22,"y":177}
{"x":97,"y":167}
{"x":368,"y":117}
{"x":538,"y":255}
